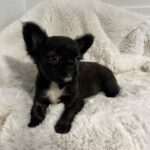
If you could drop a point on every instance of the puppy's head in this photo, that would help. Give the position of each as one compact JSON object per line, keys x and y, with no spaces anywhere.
{"x":56,"y":57}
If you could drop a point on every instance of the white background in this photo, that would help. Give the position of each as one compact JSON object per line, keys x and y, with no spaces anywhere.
{"x":140,"y":6}
{"x":12,"y":9}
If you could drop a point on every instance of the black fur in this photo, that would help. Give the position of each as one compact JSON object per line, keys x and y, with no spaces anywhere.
{"x":57,"y":58}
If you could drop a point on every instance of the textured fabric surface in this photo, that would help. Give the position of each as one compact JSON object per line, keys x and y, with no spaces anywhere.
{"x":122,"y":43}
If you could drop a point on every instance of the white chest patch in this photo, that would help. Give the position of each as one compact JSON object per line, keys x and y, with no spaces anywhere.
{"x":54,"y":93}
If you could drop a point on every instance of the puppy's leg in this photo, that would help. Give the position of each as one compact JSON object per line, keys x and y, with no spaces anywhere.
{"x":64,"y":123}
{"x":110,"y":85}
{"x":38,"y":112}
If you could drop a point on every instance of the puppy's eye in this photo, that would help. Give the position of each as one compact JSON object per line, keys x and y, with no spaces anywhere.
{"x":53,"y":59}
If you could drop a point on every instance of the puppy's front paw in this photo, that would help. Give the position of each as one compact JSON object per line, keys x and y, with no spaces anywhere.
{"x":34,"y":122}
{"x":62,"y":128}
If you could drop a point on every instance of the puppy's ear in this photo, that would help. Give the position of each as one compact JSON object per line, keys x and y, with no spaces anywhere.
{"x":85,"y":42}
{"x":34,"y":38}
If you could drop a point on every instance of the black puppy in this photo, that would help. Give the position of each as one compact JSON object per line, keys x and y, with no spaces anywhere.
{"x":62,"y":77}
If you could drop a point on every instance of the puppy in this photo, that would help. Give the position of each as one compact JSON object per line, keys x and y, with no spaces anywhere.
{"x":62,"y":78}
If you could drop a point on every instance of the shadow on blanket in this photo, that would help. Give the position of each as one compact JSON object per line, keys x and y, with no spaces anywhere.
{"x":23,"y":74}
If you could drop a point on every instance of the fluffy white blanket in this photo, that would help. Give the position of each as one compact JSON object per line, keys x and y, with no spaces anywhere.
{"x":121,"y":43}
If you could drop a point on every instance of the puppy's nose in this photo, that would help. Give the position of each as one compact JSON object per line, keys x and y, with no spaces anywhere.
{"x":70,"y":69}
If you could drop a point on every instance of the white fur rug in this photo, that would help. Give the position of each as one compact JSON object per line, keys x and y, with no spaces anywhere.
{"x":122,"y":42}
